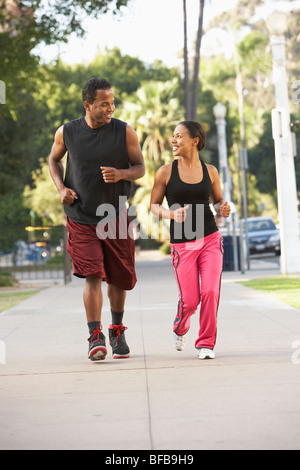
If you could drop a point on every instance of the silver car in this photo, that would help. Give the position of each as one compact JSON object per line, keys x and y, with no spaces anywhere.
{"x":263,"y":235}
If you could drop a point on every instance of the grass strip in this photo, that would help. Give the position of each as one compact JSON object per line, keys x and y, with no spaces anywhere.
{"x":10,"y":299}
{"x":284,"y":287}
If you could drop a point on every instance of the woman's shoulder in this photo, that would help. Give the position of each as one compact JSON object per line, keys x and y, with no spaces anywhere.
{"x":164,"y":172}
{"x":212,"y":171}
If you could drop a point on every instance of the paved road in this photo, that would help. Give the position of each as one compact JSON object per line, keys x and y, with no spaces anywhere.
{"x":52,"y":397}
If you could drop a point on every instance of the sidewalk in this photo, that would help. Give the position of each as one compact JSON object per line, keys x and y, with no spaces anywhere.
{"x":53,"y":397}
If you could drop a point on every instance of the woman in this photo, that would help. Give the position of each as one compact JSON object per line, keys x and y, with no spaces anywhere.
{"x":196,"y":244}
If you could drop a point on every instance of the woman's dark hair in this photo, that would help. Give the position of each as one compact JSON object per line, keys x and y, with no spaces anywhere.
{"x":196,"y":130}
{"x":89,"y":90}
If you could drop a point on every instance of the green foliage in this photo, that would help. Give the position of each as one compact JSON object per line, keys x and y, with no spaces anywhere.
{"x":6,"y":279}
{"x":154,"y":110}
{"x":40,"y":98}
{"x":43,"y":197}
{"x":9,"y":299}
{"x":166,"y":248}
{"x":285,"y":288}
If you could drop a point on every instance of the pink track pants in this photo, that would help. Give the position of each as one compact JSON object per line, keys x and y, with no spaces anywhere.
{"x":198,"y":268}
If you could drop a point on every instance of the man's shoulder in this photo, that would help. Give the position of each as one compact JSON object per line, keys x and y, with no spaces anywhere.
{"x":73,"y":123}
{"x":118,"y":123}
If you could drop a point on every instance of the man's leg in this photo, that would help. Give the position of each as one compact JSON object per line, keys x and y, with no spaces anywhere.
{"x":117,"y":299}
{"x":116,"y":330}
{"x":86,"y":252}
{"x":93,"y":301}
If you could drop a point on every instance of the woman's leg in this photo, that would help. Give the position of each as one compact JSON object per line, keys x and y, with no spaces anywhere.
{"x":210,"y":264}
{"x":187,"y":277}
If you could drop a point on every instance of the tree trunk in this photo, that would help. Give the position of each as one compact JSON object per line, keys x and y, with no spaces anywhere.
{"x":195,"y":88}
{"x":186,"y":66}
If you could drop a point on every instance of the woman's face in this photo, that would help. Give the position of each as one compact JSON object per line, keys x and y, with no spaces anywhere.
{"x":182,"y":143}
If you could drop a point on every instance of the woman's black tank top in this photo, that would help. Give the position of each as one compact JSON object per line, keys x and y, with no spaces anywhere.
{"x":200,"y":220}
{"x":88,"y":149}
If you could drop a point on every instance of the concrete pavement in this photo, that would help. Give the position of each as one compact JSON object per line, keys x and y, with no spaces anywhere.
{"x":53,"y":397}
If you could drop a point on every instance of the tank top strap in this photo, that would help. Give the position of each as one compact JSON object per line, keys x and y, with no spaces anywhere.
{"x":205,"y":171}
{"x":175,"y":172}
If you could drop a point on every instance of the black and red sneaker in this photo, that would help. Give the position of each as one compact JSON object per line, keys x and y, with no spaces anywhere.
{"x":120,"y":349}
{"x":97,"y":347}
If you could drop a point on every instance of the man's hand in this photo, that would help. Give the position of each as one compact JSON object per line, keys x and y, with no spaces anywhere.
{"x":67,"y":196}
{"x":110,"y":174}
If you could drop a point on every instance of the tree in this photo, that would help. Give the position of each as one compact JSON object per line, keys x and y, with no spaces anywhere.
{"x":191,"y":99}
{"x":24,"y":25}
{"x":186,"y":65}
{"x":24,"y":120}
{"x":53,"y":21}
{"x":195,"y":88}
{"x":153,"y":110}
{"x":43,"y":197}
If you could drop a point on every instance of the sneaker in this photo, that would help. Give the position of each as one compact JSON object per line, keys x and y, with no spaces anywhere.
{"x":179,"y":341}
{"x":205,"y":353}
{"x":97,"y":347}
{"x":120,"y":349}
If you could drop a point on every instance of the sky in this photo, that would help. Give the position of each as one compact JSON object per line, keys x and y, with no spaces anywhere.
{"x":150,"y":30}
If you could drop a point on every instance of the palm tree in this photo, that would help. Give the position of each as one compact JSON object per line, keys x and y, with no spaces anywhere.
{"x":186,"y":65}
{"x":154,"y":110}
{"x":195,"y":87}
{"x":191,"y":100}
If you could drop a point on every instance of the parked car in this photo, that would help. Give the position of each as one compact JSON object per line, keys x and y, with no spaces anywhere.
{"x":263,"y":235}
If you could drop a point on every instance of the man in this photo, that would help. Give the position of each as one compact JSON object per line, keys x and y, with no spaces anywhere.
{"x":104,"y":156}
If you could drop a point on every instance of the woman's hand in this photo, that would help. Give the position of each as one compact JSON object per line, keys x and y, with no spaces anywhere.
{"x":225,"y":209}
{"x":179,"y":215}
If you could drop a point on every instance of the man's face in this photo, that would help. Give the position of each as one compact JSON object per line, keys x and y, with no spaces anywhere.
{"x":102,"y":109}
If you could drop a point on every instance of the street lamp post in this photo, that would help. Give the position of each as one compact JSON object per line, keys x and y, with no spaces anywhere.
{"x":220,"y":113}
{"x":284,"y":159}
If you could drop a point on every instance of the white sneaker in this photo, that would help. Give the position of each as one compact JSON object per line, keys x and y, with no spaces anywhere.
{"x":179,"y":341}
{"x":205,"y":353}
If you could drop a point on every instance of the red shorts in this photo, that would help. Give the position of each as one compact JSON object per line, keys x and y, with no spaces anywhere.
{"x":109,"y":259}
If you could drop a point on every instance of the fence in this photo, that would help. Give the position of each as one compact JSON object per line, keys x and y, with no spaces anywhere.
{"x":31,"y":253}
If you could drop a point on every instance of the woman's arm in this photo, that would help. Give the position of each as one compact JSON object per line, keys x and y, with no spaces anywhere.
{"x":157,"y":196}
{"x":221,"y":206}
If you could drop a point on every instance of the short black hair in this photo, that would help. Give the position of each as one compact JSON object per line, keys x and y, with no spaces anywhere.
{"x":196,"y":130}
{"x":89,"y":90}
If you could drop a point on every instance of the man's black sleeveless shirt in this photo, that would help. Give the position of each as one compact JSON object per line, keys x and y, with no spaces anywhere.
{"x":88,"y":150}
{"x":200,"y":221}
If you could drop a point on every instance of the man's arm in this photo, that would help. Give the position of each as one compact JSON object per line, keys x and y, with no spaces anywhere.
{"x":56,"y":168}
{"x":136,"y":160}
